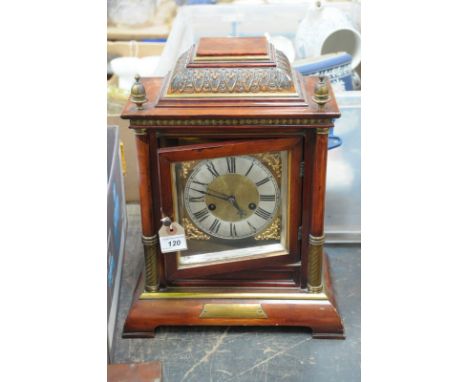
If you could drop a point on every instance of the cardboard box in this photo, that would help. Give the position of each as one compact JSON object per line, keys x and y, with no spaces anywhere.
{"x":116,"y":228}
{"x":127,"y":138}
{"x":128,"y":148}
{"x":134,"y":48}
{"x":127,"y":33}
{"x":160,"y":27}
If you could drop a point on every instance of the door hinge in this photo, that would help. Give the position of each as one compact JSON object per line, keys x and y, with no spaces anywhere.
{"x":301,"y":169}
{"x":299,"y":233}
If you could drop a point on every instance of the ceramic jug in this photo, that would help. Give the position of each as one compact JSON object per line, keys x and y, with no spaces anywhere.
{"x":327,"y":29}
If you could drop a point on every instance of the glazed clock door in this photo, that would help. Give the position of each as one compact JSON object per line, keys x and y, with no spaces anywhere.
{"x":238,"y":202}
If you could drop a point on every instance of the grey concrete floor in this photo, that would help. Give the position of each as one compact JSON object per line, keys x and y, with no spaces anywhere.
{"x":199,"y":354}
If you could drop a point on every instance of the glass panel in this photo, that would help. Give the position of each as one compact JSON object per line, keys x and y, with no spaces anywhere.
{"x":232,"y":208}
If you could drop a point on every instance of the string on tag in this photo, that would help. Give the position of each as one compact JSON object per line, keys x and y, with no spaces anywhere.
{"x":166,"y":220}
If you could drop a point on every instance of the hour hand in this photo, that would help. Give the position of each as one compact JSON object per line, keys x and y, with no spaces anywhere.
{"x":236,"y":206}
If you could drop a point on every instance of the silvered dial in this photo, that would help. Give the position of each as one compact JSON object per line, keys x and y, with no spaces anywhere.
{"x":232,"y":197}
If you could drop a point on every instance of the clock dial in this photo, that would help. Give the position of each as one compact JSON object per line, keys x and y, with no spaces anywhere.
{"x":232,"y":197}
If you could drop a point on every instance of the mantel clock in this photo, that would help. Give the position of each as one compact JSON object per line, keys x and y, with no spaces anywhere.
{"x":232,"y":153}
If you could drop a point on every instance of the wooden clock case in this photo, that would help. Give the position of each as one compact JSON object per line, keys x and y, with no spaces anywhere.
{"x":226,"y":96}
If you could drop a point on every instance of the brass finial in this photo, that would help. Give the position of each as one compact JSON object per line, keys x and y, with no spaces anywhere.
{"x":138,"y":93}
{"x":321,"y":92}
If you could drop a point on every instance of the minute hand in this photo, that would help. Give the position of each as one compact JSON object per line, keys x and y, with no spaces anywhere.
{"x":219,"y":193}
{"x":210,"y":194}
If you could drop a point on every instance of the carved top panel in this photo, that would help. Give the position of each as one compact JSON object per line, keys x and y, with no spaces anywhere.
{"x":236,"y":78}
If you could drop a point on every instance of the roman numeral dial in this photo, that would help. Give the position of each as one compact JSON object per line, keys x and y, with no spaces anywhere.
{"x":232,"y":198}
{"x":265,"y":215}
{"x":212,"y":169}
{"x":231,"y":165}
{"x":201,"y":215}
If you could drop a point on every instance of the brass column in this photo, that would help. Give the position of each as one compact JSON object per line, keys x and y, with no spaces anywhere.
{"x":151,"y":274}
{"x":316,"y":236}
{"x":149,"y":236}
{"x":314,"y":270}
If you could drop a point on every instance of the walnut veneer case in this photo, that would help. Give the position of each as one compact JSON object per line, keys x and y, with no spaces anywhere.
{"x":232,"y":145}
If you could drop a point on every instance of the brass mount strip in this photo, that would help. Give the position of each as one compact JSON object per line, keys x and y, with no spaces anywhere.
{"x":315,"y":289}
{"x":226,"y":95}
{"x":322,"y":130}
{"x":231,"y":122}
{"x":140,"y":131}
{"x":149,"y":240}
{"x":316,"y":240}
{"x":233,"y":295}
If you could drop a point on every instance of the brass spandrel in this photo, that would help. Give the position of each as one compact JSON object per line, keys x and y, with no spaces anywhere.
{"x":192,"y":232}
{"x":187,"y":168}
{"x":272,"y":160}
{"x":272,"y":232}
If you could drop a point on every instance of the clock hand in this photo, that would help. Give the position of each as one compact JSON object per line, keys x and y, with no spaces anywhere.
{"x":233,"y":201}
{"x":236,"y":206}
{"x":210,"y":194}
{"x":230,"y":199}
{"x":219,"y":193}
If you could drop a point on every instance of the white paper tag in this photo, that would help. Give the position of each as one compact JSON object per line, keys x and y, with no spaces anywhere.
{"x":172,"y":238}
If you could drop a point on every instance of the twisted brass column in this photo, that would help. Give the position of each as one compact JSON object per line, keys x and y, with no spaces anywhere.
{"x":314,"y":268}
{"x":151,"y":273}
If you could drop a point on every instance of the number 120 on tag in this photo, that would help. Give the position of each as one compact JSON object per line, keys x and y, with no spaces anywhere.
{"x":173,"y":243}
